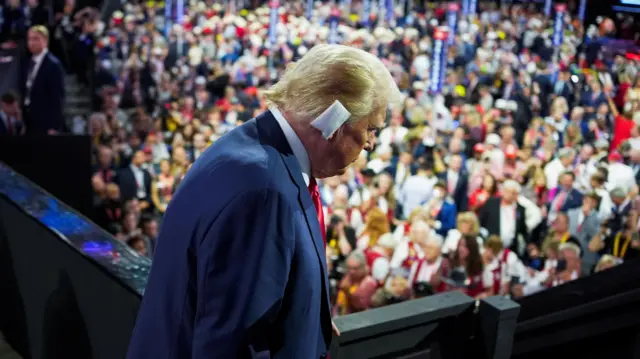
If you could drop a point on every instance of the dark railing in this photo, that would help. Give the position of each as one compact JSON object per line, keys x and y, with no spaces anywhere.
{"x":69,"y":289}
{"x":597,"y":316}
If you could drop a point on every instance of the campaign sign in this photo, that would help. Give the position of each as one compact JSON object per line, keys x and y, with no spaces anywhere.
{"x":366,"y":12}
{"x":333,"y":25}
{"x":273,"y":21}
{"x":547,"y":7}
{"x":309,"y":9}
{"x":582,"y":10}
{"x":390,"y":10}
{"x":452,"y":20}
{"x":558,"y":24}
{"x":438,"y":62}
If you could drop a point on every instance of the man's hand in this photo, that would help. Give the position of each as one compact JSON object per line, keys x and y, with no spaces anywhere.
{"x":336,"y":331}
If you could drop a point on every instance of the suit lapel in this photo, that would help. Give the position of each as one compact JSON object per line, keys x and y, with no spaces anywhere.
{"x":276,"y":137}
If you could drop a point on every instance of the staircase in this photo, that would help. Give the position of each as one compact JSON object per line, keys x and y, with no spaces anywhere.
{"x":77,"y":99}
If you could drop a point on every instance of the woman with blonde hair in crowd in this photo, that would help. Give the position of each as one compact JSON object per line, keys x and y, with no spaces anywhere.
{"x":375,"y":226}
{"x":572,"y":136}
{"x":467,"y":224}
{"x":536,"y":188}
{"x":403,"y":231}
{"x":163,"y":186}
{"x":408,"y":251}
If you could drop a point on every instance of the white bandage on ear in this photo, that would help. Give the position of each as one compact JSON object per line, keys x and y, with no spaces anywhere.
{"x":331,"y":119}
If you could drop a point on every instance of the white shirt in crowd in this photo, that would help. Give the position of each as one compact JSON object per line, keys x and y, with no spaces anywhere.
{"x":606,"y":204}
{"x":507,"y":224}
{"x":392,"y":135}
{"x":380,"y":268}
{"x":426,"y":271}
{"x":620,"y":175}
{"x":415,"y":191}
{"x":512,"y":267}
{"x":552,"y":171}
{"x":402,"y":252}
{"x":378,"y":165}
{"x":139,"y":177}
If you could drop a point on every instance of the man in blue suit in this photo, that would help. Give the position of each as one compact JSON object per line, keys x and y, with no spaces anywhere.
{"x":239,"y":270}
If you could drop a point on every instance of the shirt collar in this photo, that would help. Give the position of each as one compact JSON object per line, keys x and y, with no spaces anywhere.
{"x":38,"y":58}
{"x":296,"y":145}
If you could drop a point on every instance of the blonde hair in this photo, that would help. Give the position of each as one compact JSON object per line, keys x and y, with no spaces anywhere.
{"x":42,"y":30}
{"x":471,"y":218}
{"x":358,"y":79}
{"x":606,"y":260}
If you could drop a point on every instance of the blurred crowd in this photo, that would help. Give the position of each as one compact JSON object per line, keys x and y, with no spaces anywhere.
{"x":521,"y":175}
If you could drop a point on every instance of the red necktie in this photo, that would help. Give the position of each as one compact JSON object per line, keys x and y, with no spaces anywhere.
{"x":315,"y":197}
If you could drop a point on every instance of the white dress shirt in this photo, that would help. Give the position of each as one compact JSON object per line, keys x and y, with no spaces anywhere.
{"x":141,"y":192}
{"x":296,"y":145}
{"x":507,"y":224}
{"x":452,"y":181}
{"x":552,"y":171}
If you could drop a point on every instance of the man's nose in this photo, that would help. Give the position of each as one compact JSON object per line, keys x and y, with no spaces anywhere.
{"x":371,"y":143}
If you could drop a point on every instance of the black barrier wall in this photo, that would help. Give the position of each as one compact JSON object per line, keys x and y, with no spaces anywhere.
{"x":443,"y":326}
{"x":593,"y":317}
{"x":56,"y":303}
{"x":59,"y":164}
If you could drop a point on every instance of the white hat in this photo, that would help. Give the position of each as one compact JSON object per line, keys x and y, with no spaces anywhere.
{"x":493,"y":139}
{"x":302,"y":50}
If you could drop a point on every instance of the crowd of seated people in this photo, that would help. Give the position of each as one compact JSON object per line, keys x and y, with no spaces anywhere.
{"x":521,"y":175}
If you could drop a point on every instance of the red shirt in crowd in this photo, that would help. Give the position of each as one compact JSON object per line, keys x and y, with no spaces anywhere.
{"x":621,"y":131}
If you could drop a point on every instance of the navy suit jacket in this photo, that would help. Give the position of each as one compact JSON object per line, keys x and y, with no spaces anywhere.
{"x":239,"y":269}
{"x":460,"y":194}
{"x":46,"y":110}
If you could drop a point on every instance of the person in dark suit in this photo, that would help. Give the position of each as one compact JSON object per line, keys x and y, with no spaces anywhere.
{"x":564,"y":197}
{"x":135,"y":182}
{"x":10,"y":118}
{"x":36,"y":13}
{"x":505,"y":217}
{"x":457,"y":182}
{"x":239,"y":269}
{"x":43,"y":86}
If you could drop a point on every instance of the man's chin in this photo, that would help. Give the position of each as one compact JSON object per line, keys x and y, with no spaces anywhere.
{"x":329,"y":173}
